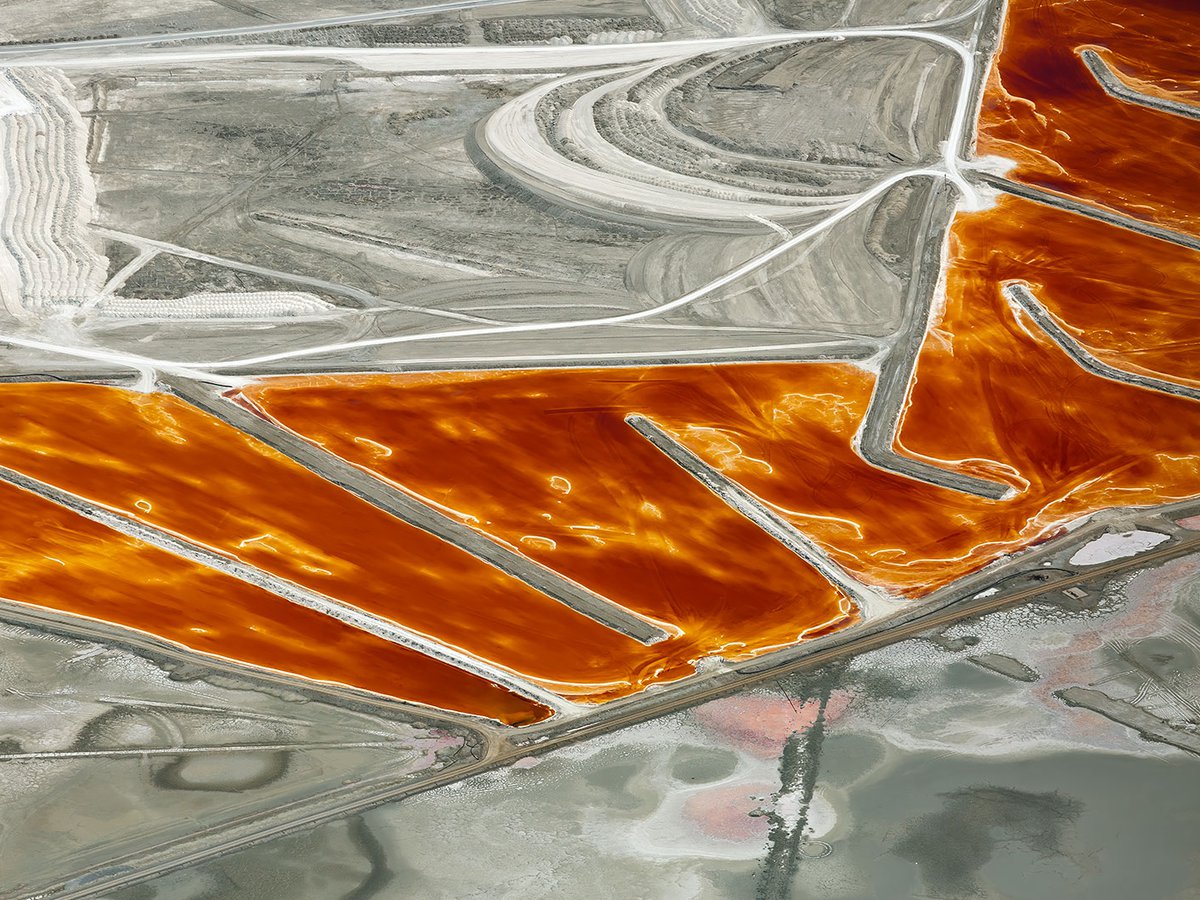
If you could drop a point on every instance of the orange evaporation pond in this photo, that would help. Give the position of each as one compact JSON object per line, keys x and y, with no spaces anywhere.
{"x":1043,"y":109}
{"x":709,"y":572}
{"x":1129,"y":299}
{"x":545,"y":463}
{"x":54,"y":558}
{"x":544,"y":460}
{"x":155,"y":458}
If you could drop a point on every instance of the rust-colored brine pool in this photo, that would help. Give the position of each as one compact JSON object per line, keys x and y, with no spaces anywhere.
{"x":1043,"y":108}
{"x":159,"y":460}
{"x":546,"y":462}
{"x":54,"y":558}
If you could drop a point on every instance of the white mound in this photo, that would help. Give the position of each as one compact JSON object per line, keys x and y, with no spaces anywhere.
{"x":1108,"y":547}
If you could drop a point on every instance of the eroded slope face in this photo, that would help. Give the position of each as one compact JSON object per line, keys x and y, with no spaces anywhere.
{"x":855,"y":285}
{"x":715,"y":138}
{"x":839,"y":107}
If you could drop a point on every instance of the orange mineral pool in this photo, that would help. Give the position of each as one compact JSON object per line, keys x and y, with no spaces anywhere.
{"x":545,"y":462}
{"x":1044,"y":109}
{"x":715,"y":579}
{"x":54,"y":558}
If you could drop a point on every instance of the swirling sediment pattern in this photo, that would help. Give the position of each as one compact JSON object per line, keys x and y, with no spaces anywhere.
{"x":160,"y":461}
{"x":1127,"y":298}
{"x":990,"y":399}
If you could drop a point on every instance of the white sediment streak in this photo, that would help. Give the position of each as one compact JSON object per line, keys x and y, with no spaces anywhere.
{"x":48,"y":255}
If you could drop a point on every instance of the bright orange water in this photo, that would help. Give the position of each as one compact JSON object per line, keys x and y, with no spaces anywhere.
{"x":543,"y":460}
{"x":1129,"y":299}
{"x":54,"y":558}
{"x":157,"y":459}
{"x":1045,"y":110}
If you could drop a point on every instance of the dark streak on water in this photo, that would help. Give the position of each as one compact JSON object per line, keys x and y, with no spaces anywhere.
{"x":798,"y":768}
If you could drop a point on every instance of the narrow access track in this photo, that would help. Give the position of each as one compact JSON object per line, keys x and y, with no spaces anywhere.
{"x":1099,"y":213}
{"x":209,"y":34}
{"x":743,"y":501}
{"x":1019,"y":296}
{"x":875,"y":439}
{"x":1115,"y":87}
{"x":292,"y":592}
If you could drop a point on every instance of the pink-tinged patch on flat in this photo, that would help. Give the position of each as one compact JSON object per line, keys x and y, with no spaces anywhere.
{"x":759,"y":724}
{"x":1149,"y":596}
{"x":723,"y":813}
{"x":1192,"y":523}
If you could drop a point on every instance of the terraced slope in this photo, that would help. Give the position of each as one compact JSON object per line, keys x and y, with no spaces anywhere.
{"x":48,"y":257}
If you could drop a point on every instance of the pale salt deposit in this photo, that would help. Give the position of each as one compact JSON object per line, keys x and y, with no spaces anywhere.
{"x":1108,"y":547}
